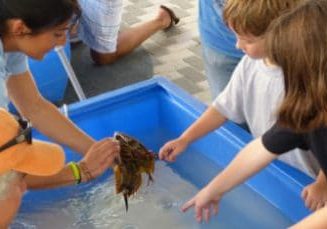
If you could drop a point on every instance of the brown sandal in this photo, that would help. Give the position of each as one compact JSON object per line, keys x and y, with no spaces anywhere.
{"x":173,"y":18}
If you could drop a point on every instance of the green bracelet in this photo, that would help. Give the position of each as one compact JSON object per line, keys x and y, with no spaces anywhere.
{"x":76,"y":171}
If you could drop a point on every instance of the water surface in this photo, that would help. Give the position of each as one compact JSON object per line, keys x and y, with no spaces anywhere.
{"x":154,"y":206}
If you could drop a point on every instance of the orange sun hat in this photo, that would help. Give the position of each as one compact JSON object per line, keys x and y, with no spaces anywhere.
{"x":36,"y":157}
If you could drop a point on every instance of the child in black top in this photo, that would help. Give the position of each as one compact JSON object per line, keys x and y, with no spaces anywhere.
{"x":297,"y":43}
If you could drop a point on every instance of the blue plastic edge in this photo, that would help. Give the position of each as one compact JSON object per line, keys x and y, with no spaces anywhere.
{"x":278,"y":172}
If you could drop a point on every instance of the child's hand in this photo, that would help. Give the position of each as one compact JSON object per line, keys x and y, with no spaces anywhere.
{"x":315,"y":195}
{"x":172,"y":149}
{"x":205,"y":203}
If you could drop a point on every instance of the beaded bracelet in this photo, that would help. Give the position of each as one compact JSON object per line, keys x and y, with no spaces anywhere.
{"x":84,"y":169}
{"x":76,"y":171}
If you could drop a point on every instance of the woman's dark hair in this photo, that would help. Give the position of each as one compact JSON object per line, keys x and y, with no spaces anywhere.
{"x":38,"y":15}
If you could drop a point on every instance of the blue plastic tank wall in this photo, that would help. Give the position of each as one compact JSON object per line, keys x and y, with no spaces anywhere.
{"x":50,"y":75}
{"x":155,"y":111}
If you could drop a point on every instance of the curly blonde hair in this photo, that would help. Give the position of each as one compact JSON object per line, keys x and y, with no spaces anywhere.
{"x":254,"y":16}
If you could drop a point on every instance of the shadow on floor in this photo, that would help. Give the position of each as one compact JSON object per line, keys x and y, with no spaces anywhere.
{"x":95,"y":80}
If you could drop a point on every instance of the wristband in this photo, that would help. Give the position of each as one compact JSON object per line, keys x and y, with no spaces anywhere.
{"x":76,"y":171}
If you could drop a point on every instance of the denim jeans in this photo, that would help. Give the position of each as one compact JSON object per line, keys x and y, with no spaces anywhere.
{"x":219,"y":68}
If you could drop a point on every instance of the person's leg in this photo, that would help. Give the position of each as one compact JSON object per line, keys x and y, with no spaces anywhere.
{"x":12,"y":187}
{"x":219,"y":68}
{"x":131,"y":38}
{"x":99,"y":29}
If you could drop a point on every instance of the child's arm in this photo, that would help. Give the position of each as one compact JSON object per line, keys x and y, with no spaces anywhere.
{"x":317,"y":220}
{"x":209,"y":120}
{"x":228,"y":105}
{"x":315,"y":194}
{"x":249,"y":161}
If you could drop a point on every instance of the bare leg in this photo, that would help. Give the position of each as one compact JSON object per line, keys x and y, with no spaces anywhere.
{"x":131,"y":38}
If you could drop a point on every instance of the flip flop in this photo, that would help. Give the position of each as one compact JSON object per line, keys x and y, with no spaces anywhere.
{"x":173,"y":18}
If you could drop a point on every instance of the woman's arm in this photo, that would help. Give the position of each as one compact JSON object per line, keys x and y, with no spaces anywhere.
{"x":98,"y":156}
{"x":45,"y":116}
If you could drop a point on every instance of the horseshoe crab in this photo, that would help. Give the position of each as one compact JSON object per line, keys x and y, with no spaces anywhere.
{"x":135,"y":159}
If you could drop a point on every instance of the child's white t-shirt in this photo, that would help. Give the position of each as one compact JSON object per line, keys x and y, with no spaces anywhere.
{"x":253,"y":96}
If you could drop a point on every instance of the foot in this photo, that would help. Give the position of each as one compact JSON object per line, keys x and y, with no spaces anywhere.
{"x":166,"y":17}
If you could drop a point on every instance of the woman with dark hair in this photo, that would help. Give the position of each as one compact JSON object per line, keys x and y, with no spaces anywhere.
{"x":32,"y":28}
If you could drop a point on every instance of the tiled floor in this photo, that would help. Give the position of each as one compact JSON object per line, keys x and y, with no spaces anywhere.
{"x":175,"y":54}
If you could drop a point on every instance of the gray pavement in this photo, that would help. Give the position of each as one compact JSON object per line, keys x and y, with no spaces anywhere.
{"x":175,"y":54}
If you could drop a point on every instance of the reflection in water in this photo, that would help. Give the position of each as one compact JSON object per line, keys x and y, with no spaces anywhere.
{"x":157,"y":204}
{"x":154,"y":206}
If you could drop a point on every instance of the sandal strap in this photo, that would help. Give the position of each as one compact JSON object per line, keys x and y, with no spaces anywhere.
{"x":173,"y":18}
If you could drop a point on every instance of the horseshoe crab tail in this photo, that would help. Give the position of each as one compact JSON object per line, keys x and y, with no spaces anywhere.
{"x":126,"y":201}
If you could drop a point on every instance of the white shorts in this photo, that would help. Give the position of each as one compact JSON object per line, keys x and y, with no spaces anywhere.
{"x":99,"y":24}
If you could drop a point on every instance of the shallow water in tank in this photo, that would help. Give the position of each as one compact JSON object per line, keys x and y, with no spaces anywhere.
{"x":155,"y":206}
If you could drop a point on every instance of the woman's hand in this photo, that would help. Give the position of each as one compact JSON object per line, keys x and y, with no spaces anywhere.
{"x":99,"y":158}
{"x":172,"y":149}
{"x":205,"y":204}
